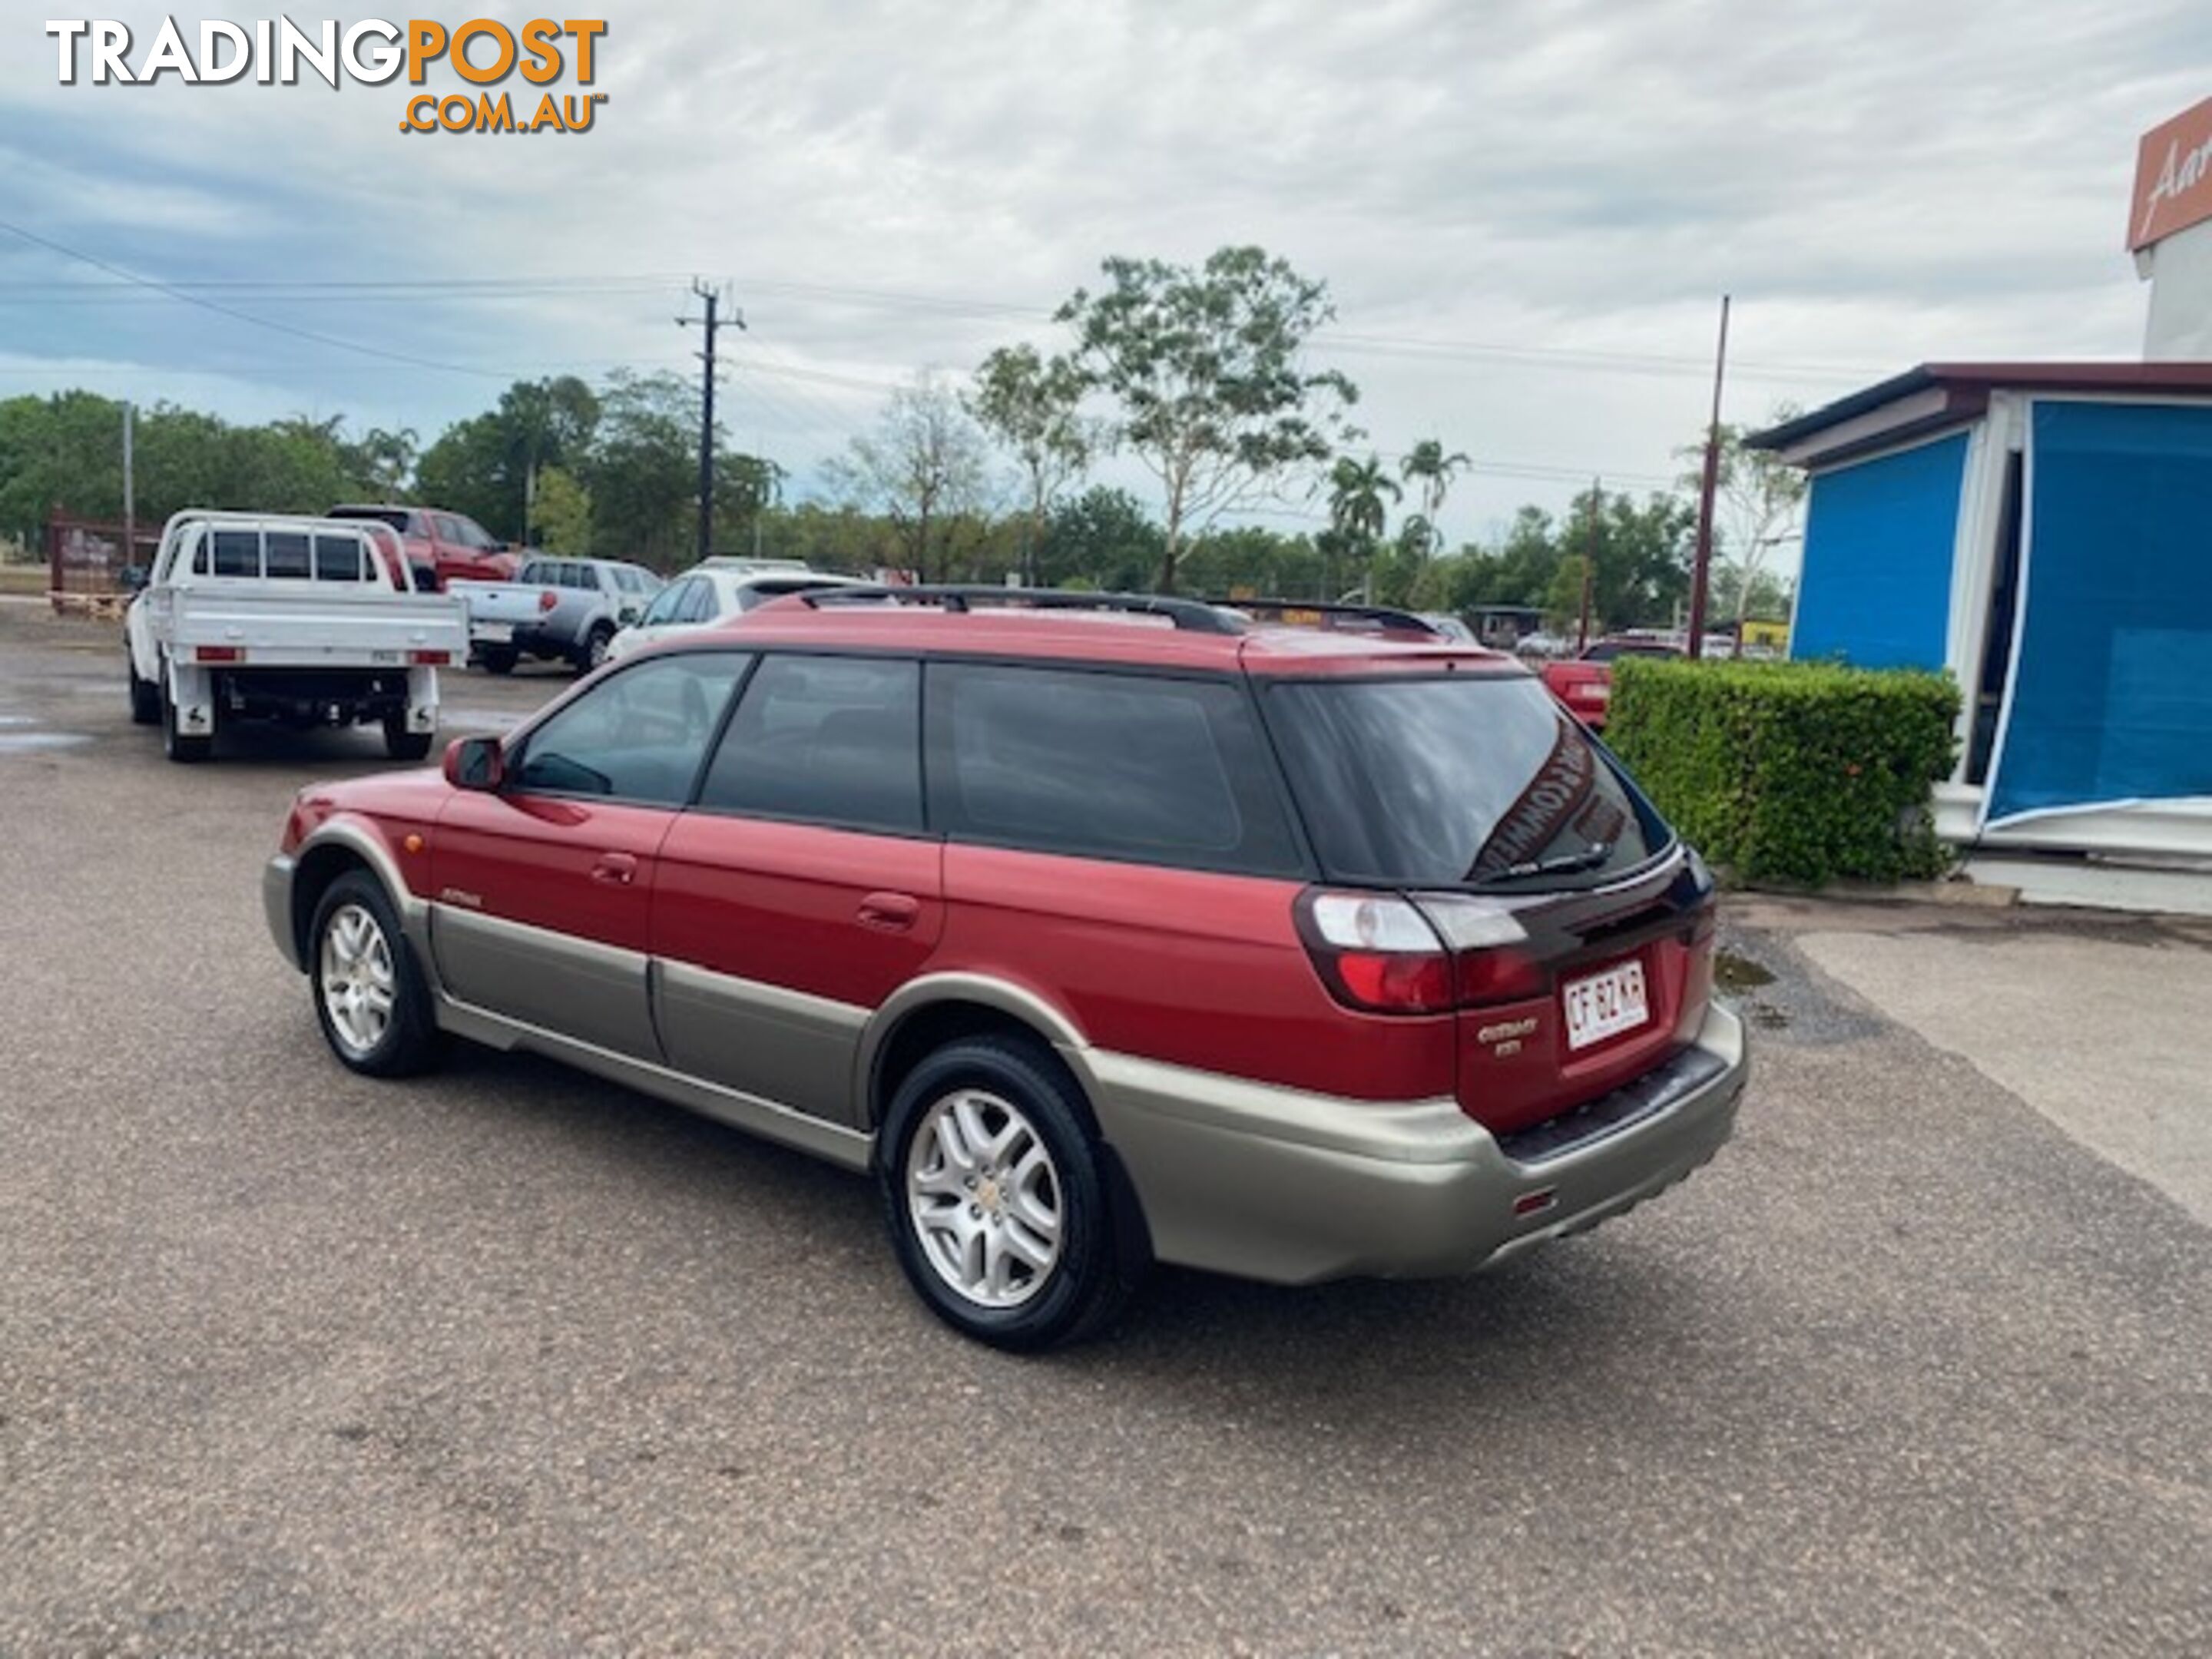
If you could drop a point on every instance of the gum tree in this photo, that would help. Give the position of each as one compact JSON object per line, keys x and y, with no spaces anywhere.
{"x":1204,"y":369}
{"x":1029,"y":405}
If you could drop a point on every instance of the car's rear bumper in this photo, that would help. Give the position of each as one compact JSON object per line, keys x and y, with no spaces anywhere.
{"x":1276,"y":1184}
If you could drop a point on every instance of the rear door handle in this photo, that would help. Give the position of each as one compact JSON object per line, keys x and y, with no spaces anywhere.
{"x":890,"y":913}
{"x":613,"y":869}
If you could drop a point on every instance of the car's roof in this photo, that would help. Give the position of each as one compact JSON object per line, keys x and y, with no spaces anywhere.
{"x":734,"y":576}
{"x":1103,"y":636}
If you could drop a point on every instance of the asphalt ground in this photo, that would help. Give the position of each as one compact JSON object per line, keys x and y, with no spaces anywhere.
{"x":508,"y":1360}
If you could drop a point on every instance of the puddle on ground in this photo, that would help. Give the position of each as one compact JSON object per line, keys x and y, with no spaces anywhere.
{"x":19,"y":736}
{"x":1734,"y":972}
{"x":28,"y":743}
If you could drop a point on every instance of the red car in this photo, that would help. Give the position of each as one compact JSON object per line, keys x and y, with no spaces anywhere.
{"x":450,"y":547}
{"x":1098,"y":931}
{"x":1584,"y":683}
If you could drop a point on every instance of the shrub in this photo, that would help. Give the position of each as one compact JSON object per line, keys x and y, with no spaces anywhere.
{"x":1790,"y":772}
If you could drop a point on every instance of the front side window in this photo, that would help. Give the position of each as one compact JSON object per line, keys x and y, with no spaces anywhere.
{"x":830,"y":740}
{"x":666,"y":605}
{"x":1150,"y":770}
{"x":701,"y":604}
{"x":638,"y":735}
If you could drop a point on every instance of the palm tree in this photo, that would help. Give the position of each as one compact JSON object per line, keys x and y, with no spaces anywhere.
{"x":1428,"y":463}
{"x":1356,"y":509}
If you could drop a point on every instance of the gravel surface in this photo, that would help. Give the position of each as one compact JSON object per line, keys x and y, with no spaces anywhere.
{"x":507,"y":1361}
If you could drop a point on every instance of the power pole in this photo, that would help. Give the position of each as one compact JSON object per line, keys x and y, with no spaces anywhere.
{"x":1701,"y":572}
{"x":711,"y":322}
{"x":1590,"y":565}
{"x":130,"y":492}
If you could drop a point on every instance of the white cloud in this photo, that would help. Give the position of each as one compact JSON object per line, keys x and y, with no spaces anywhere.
{"x":1877,"y":183}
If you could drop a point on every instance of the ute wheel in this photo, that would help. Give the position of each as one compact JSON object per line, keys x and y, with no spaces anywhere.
{"x":996,"y":1195}
{"x":401,"y":744}
{"x":593,"y":654}
{"x":145,"y":696}
{"x":500,"y":659}
{"x":184,"y":748}
{"x":371,"y":999}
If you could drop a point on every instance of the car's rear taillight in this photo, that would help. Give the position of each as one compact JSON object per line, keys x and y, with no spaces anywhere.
{"x":1385,"y":954}
{"x":1375,"y":951}
{"x":431,"y":658}
{"x":219,"y":653}
{"x":1491,"y":959}
{"x":547,"y":599}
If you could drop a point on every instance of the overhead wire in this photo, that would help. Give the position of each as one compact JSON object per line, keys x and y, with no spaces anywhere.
{"x":813,"y":412}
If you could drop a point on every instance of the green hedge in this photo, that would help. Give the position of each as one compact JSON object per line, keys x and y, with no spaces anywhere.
{"x":1790,"y":772}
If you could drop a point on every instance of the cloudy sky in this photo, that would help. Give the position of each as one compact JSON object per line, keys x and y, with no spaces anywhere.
{"x":1526,"y":210}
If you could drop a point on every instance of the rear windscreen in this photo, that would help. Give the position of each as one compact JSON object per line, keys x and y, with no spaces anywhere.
{"x":1450,"y":782}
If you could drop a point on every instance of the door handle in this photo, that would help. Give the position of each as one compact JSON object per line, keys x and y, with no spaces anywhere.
{"x":613,"y":869}
{"x":890,"y":912}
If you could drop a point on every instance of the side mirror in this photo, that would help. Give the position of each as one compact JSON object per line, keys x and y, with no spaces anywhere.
{"x":477,"y":764}
{"x":134,"y":578}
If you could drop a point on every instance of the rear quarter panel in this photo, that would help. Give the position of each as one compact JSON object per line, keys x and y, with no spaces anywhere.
{"x":1186,"y":968}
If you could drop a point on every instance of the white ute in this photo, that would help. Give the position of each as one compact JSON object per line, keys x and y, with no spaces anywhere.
{"x":304,"y":622}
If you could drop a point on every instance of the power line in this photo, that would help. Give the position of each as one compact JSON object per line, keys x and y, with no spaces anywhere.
{"x":1330,"y":337}
{"x":239,"y":316}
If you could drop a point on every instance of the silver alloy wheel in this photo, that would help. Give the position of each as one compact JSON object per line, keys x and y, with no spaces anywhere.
{"x":596,"y":653}
{"x":984,"y":1198}
{"x":359,"y":984}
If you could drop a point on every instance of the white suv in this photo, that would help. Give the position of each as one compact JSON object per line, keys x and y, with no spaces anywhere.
{"x":715,"y":591}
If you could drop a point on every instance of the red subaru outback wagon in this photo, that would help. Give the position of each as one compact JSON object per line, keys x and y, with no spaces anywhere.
{"x":1099,"y":931}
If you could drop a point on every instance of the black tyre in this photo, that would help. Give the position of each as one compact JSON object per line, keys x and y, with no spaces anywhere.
{"x":371,"y":999}
{"x":184,"y":748}
{"x":145,"y":696}
{"x":499,"y":660}
{"x":401,"y":744}
{"x":593,"y":652}
{"x":995,"y":1192}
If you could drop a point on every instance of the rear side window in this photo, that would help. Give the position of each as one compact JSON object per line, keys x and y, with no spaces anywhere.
{"x":287,"y":555}
{"x":1103,"y":765}
{"x":1464,"y":780}
{"x":337,"y":559}
{"x":237,"y":552}
{"x":832,"y":740}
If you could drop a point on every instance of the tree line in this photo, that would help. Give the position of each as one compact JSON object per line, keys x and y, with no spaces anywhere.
{"x":1197,"y":374}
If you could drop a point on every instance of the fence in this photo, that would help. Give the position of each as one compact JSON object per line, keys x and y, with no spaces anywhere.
{"x":85,"y":562}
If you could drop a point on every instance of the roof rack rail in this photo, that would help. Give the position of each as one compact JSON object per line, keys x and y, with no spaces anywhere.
{"x":1294,"y":611}
{"x":1192,"y":616}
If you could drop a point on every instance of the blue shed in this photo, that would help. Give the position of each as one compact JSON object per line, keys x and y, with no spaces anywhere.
{"x":2044,"y":532}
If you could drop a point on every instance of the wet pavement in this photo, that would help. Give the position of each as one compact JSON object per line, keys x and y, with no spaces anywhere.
{"x":505,"y":1360}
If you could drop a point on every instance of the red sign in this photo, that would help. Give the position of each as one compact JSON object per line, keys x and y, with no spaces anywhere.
{"x":2173,"y":177}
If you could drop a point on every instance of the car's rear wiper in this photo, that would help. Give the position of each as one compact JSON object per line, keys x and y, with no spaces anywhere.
{"x":1566,"y":863}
